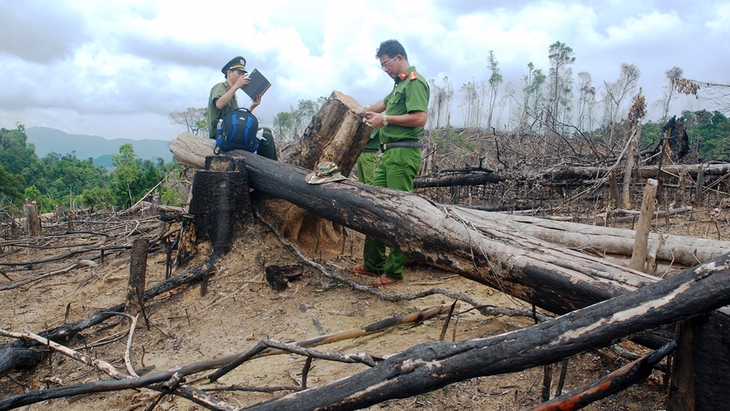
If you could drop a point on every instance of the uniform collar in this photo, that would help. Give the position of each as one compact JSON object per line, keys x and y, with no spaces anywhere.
{"x":404,"y":75}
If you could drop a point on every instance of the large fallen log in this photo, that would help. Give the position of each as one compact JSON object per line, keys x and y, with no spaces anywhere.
{"x":429,"y":366}
{"x":683,"y":250}
{"x":475,"y":244}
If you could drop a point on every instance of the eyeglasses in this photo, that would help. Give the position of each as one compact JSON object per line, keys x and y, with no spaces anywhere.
{"x":387,"y":63}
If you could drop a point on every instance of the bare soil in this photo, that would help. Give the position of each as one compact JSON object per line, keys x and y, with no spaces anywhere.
{"x":240,"y":309}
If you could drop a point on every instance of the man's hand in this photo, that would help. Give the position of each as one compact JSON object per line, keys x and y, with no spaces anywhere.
{"x":255,"y":103}
{"x":242,"y":81}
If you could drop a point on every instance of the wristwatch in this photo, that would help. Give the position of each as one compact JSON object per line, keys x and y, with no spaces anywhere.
{"x":385,"y":120}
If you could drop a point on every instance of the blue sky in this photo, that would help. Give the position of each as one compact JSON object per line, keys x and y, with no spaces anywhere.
{"x":118,"y":68}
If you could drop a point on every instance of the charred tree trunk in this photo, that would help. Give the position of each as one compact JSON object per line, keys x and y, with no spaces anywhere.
{"x":221,"y":201}
{"x":617,"y":381}
{"x":137,"y":277}
{"x":461,"y":179}
{"x":675,"y":144}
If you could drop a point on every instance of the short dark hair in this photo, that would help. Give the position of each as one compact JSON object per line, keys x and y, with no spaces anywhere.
{"x":391,"y":48}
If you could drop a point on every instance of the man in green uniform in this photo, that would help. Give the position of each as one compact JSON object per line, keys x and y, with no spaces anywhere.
{"x":223,"y":99}
{"x":400,"y":118}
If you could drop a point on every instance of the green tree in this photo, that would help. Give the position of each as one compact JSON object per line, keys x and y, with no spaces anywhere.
{"x":709,"y":134}
{"x":15,"y":153}
{"x":63,"y":179}
{"x":126,"y":173}
{"x":11,"y":187}
{"x":291,"y":125}
{"x":651,"y":134}
{"x":284,"y":125}
{"x":306,"y":109}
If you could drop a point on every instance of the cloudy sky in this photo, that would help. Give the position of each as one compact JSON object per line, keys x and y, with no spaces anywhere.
{"x":117,"y":68}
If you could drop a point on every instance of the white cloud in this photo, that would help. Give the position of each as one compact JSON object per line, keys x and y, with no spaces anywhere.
{"x":118,"y":68}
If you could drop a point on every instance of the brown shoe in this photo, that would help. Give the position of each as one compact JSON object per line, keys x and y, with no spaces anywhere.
{"x":360,"y":269}
{"x":384,"y":280}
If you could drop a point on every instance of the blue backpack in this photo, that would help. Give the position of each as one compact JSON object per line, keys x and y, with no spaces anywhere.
{"x":237,"y":132}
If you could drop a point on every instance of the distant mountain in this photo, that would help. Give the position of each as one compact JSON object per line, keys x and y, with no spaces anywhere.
{"x":47,"y":140}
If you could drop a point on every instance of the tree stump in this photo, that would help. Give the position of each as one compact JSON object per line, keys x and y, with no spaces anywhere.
{"x":137,"y":277}
{"x":638,"y":257}
{"x":221,"y":201}
{"x":335,"y":134}
{"x":31,"y":216}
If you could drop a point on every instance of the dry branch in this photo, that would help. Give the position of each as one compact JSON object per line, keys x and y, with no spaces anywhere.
{"x":101,"y":365}
{"x":261,"y":349}
{"x":14,"y":354}
{"x":614,"y":382}
{"x":81,"y":263}
{"x":330,"y":338}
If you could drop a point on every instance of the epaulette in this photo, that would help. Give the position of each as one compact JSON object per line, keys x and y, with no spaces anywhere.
{"x":413,"y":75}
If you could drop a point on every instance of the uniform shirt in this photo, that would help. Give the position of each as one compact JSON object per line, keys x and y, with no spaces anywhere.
{"x":214,"y":114}
{"x":410,"y":93}
{"x":374,"y":142}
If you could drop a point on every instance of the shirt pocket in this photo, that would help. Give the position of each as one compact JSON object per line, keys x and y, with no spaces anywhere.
{"x":397,"y":99}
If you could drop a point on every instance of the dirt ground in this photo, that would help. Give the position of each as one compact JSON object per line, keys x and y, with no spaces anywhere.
{"x":240,"y":309}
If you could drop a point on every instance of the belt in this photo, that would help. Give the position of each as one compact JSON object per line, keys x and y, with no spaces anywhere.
{"x":370,"y":150}
{"x":409,"y":144}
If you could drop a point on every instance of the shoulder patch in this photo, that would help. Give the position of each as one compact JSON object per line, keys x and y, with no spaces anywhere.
{"x":413,"y":75}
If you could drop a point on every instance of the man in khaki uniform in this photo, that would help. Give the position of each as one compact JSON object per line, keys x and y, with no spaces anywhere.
{"x":222,"y":99}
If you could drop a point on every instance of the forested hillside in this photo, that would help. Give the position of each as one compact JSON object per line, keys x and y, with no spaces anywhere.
{"x":68,"y":181}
